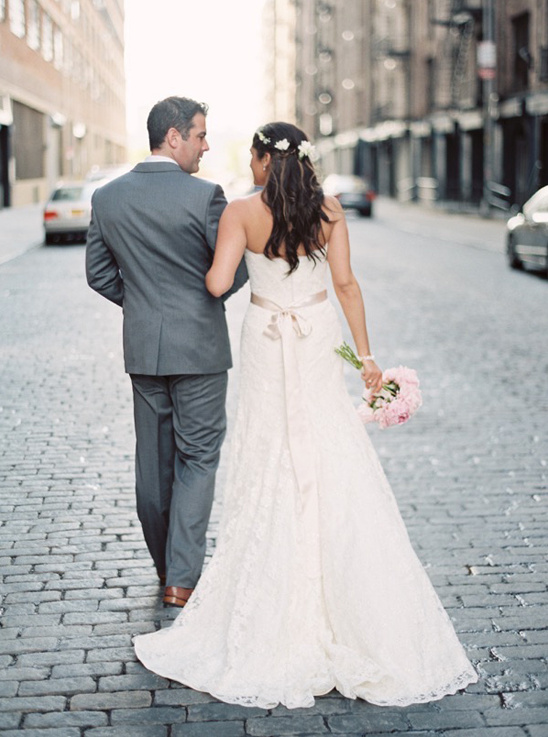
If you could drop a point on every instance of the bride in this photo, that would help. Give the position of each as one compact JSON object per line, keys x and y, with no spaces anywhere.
{"x":314,"y":584}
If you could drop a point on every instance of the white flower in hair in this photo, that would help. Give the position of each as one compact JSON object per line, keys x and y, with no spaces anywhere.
{"x":282,"y":145}
{"x":261,"y":136}
{"x":307,"y":149}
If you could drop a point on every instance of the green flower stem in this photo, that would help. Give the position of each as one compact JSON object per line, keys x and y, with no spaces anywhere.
{"x":346,"y":352}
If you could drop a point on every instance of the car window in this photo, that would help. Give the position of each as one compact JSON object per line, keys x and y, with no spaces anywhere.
{"x":67,"y":194}
{"x":337,"y":184}
{"x":542,"y":204}
{"x":537,"y":203}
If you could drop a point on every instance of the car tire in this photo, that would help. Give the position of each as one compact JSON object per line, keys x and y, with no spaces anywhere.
{"x":50,"y":239}
{"x":513,"y":259}
{"x":366,"y":213}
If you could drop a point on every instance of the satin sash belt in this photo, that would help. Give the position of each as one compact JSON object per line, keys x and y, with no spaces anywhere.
{"x":288,"y":324}
{"x":287,"y":317}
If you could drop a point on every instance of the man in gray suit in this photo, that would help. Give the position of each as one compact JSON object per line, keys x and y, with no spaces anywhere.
{"x":149,"y":246}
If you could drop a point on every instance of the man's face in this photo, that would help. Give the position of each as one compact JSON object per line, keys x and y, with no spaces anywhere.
{"x":189,"y":153}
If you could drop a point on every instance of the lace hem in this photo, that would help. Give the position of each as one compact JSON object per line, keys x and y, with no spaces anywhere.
{"x":297,"y":695}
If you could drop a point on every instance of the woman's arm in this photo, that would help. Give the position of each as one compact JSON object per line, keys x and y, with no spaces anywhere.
{"x":229,"y":250}
{"x":348,"y":291}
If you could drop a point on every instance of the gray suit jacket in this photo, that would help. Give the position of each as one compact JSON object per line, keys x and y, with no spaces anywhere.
{"x":149,"y":246}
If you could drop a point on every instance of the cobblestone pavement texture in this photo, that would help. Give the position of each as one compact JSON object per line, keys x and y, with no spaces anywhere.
{"x":469,"y":472}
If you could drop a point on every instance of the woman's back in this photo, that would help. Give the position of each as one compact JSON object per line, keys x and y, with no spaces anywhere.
{"x":258,"y":223}
{"x":269,"y":278}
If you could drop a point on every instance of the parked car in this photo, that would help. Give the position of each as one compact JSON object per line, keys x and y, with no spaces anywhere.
{"x":67,"y":213}
{"x":353,"y":192}
{"x":527,"y":234}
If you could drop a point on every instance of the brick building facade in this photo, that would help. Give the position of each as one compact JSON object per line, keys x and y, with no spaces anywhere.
{"x":430,"y":99}
{"x":62,"y":93}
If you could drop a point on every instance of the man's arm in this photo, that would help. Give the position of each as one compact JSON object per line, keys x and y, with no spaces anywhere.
{"x":102,"y":271}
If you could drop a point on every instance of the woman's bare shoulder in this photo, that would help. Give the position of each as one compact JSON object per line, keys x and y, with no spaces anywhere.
{"x":243,"y":207}
{"x":245,"y":202}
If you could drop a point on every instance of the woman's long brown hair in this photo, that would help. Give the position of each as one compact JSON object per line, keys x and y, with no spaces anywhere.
{"x":293,"y":194}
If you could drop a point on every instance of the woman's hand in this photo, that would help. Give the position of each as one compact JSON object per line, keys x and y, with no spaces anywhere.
{"x":372,"y":376}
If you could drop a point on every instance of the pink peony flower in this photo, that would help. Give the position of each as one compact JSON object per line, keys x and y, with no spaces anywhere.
{"x":365,"y":413}
{"x":399,"y":398}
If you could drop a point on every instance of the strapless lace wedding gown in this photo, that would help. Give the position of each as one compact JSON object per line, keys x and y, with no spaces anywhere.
{"x":314,"y":584}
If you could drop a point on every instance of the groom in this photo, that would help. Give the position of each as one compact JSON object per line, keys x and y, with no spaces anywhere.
{"x":149,"y":246}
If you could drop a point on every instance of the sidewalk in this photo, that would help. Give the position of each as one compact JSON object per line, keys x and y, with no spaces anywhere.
{"x":428,"y":220}
{"x":20,"y":230}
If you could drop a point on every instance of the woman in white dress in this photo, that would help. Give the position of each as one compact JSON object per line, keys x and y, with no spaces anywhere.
{"x":314,"y":584}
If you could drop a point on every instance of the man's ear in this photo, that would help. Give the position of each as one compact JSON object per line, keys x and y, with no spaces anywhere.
{"x":172,"y":137}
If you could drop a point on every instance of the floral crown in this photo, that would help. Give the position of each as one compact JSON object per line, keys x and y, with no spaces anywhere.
{"x":305,"y":148}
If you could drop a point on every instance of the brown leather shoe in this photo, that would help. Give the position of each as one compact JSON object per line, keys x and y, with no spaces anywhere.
{"x":176,"y":596}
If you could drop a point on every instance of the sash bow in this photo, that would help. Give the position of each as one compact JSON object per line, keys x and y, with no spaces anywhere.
{"x":284,"y":318}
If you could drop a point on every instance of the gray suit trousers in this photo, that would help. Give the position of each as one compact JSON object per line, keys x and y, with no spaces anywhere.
{"x":180,"y":424}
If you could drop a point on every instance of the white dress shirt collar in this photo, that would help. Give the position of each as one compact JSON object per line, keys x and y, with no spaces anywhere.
{"x":156,"y":159}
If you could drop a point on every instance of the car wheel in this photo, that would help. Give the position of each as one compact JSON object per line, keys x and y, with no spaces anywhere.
{"x":513,"y":260}
{"x":50,"y":239}
{"x":366,"y":213}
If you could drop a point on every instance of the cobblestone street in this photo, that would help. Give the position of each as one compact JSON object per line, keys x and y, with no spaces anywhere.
{"x":469,"y":472}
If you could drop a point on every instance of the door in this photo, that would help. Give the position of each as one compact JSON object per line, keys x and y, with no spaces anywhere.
{"x":532,"y":236}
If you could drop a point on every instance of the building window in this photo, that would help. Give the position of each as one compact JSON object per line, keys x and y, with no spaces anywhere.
{"x":47,"y":38}
{"x":544,"y":64}
{"x":431,"y":84}
{"x":522,"y":56}
{"x":17,"y":17}
{"x":33,"y":30}
{"x":75,"y":10}
{"x":58,"y":49}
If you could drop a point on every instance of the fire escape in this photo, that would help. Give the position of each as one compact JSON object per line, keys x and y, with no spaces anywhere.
{"x":460,"y":18}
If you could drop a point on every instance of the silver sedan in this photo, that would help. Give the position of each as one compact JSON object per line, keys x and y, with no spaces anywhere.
{"x":527,"y":234}
{"x":67,"y":213}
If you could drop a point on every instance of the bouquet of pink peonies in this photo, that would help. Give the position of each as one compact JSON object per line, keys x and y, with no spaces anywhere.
{"x":396,"y":402}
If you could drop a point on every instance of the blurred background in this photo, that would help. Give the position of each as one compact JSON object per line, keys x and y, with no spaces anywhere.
{"x":425,"y":100}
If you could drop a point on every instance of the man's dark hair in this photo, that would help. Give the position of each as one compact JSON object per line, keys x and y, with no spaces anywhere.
{"x":173,"y":112}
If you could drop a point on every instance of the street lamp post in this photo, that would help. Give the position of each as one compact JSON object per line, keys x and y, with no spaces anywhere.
{"x":487,"y":60}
